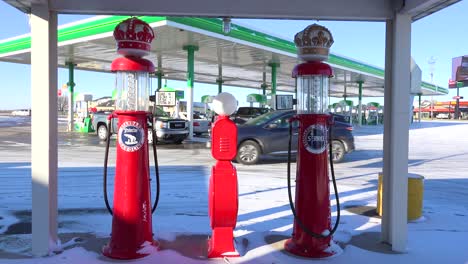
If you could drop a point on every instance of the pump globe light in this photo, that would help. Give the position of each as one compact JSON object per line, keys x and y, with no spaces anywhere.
{"x":224,"y":104}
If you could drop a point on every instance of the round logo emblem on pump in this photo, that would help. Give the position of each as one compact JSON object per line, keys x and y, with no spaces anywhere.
{"x":131,"y":136}
{"x":315,"y":139}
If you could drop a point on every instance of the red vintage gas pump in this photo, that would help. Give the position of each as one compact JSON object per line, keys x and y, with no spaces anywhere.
{"x":312,"y":231}
{"x":131,"y":223}
{"x":223,"y":193}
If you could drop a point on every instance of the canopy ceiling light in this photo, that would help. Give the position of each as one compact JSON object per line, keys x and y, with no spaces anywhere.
{"x":226,"y":25}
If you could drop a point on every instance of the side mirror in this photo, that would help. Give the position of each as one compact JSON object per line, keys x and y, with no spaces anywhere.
{"x":272,"y":126}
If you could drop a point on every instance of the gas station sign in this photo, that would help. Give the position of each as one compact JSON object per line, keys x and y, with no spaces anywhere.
{"x":166,"y":98}
{"x":284,"y":102}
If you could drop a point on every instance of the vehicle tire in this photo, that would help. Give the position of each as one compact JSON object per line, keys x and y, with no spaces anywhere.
{"x":198,"y":134}
{"x":338,"y":151}
{"x":102,"y":132}
{"x":248,"y":153}
{"x":178,"y":142}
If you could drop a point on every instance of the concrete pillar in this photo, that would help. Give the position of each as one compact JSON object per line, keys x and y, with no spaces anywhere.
{"x":44,"y":129}
{"x":396,"y":127}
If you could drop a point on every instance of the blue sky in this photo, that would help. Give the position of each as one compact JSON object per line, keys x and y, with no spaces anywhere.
{"x":440,"y":36}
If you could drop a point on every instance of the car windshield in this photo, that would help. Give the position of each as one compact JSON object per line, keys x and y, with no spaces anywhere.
{"x":260,"y":120}
{"x":159,"y":112}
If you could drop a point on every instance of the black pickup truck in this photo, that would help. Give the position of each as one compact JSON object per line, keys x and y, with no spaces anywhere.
{"x":168,"y":130}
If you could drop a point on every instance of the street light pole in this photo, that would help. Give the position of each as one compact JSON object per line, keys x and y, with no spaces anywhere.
{"x":457,"y":106}
{"x":431,"y":63}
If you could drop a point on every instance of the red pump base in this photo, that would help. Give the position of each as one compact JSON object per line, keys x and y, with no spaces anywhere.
{"x":221,"y":243}
{"x":304,"y":251}
{"x":128,"y":253}
{"x":312,"y":188}
{"x":132,"y":235}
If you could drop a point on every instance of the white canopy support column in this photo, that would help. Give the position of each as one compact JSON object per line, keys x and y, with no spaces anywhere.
{"x":396,"y":128}
{"x":44,"y":128}
{"x":190,"y":80}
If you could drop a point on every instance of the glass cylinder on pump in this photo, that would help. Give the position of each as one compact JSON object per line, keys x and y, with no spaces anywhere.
{"x":312,"y":94}
{"x":132,"y":91}
{"x":132,"y":83}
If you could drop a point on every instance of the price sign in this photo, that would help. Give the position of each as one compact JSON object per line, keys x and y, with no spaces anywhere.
{"x":166,"y":98}
{"x":284,"y":102}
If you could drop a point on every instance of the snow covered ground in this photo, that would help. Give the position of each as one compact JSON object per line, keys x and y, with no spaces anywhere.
{"x":438,"y":151}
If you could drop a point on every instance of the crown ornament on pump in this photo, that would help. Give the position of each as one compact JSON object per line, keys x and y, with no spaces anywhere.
{"x":313,"y":43}
{"x":133,"y":37}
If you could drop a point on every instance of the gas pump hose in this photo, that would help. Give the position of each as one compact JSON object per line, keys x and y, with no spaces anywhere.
{"x":156,"y":165}
{"x":291,"y":204}
{"x":106,"y":158}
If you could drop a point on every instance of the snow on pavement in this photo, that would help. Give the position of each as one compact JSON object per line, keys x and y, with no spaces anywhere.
{"x":438,"y":151}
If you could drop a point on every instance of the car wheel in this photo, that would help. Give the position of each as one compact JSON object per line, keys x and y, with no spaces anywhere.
{"x":102,"y":132}
{"x":178,"y":142}
{"x":198,"y":134}
{"x":248,"y":153}
{"x":338,"y":151}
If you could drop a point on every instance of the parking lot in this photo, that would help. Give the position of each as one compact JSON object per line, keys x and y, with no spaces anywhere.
{"x":438,"y":151}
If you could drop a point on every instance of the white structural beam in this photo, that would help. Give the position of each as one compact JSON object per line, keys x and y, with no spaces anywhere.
{"x":421,"y":8}
{"x":44,"y":129}
{"x":396,"y":131}
{"x":376,"y":10}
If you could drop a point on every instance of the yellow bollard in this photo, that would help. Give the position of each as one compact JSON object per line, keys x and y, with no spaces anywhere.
{"x":415,"y":196}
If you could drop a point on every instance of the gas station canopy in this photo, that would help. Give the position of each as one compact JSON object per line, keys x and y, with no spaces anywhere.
{"x":244,"y":54}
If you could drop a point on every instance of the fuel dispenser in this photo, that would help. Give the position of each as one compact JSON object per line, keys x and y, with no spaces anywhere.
{"x":131,"y":222}
{"x":312,"y":232}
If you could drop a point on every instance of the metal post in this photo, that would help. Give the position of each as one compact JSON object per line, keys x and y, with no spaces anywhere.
{"x":264,"y":85}
{"x":396,"y":136}
{"x":71,"y":103}
{"x":44,"y":128}
{"x":220,"y":85}
{"x":419,"y":111}
{"x":457,"y":106}
{"x":219,"y":81}
{"x":360,"y":103}
{"x":160,"y":75}
{"x":273,"y":83}
{"x":190,"y":80}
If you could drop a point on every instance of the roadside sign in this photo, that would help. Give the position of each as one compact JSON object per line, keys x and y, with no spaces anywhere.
{"x":457,"y":97}
{"x":455,"y":84}
{"x":179,"y":94}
